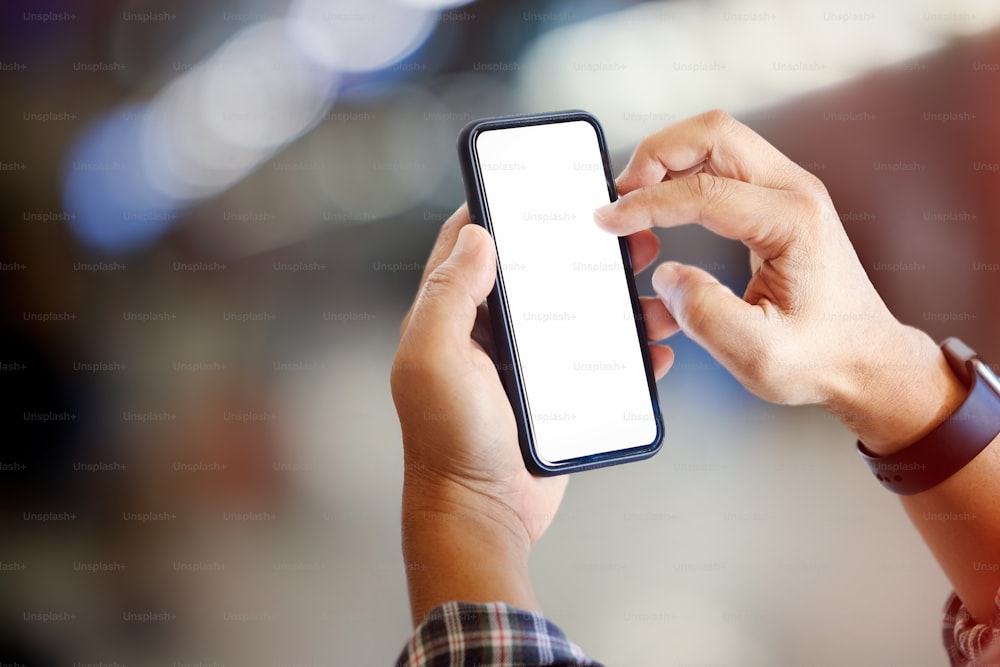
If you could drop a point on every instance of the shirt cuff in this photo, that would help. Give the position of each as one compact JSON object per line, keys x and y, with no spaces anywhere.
{"x":491,"y":633}
{"x":969,"y":643}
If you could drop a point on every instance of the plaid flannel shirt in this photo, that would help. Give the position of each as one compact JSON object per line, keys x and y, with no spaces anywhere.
{"x":466,"y":634}
{"x":970,"y":644}
{"x":493,"y":633}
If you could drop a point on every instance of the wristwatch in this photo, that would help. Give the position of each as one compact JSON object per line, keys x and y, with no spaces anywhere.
{"x":953,"y":443}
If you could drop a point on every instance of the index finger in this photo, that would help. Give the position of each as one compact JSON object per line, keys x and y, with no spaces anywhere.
{"x":720,"y":144}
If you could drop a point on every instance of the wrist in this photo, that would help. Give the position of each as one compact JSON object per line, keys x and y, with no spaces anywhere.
{"x":897,"y":393}
{"x":459,"y":544}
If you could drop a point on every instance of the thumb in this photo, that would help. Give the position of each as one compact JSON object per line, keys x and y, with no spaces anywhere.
{"x":445,"y":308}
{"x":710,"y":314}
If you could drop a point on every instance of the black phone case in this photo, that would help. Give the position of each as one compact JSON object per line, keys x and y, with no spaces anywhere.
{"x":507,"y":362}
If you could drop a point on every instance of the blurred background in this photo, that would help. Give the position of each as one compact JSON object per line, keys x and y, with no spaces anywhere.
{"x":214,"y":215}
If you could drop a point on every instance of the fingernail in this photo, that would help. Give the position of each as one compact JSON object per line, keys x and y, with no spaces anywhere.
{"x":602,"y":214}
{"x":463,"y":243}
{"x":664,"y":278}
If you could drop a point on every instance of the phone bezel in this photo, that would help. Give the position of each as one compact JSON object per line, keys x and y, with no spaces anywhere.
{"x":503,"y":330}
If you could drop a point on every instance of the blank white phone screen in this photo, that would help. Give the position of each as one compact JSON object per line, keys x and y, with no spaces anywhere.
{"x":566,"y":290}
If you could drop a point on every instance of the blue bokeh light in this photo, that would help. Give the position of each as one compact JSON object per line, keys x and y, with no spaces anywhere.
{"x":114,"y":206}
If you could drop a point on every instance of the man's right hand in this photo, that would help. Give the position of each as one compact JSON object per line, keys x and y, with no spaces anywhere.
{"x":810,"y":327}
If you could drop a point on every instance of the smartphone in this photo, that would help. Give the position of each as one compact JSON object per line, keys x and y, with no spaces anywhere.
{"x":571,"y":347}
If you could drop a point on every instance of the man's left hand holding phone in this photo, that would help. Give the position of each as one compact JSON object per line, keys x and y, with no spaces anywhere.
{"x":470,"y":504}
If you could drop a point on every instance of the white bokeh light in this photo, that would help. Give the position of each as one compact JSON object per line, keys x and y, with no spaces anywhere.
{"x":358,"y":35}
{"x":212,"y":125}
{"x":653,"y":63}
{"x":434,"y":4}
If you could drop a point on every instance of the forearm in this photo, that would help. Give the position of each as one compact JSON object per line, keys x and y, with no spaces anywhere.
{"x":959,"y":520}
{"x":460,"y":547}
{"x":910,"y":393}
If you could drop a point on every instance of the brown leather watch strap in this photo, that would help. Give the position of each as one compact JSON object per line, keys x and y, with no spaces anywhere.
{"x":953,"y":443}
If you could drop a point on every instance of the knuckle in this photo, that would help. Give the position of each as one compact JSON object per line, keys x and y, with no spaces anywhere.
{"x":438,"y":284}
{"x":440,"y":280}
{"x":709,"y":187}
{"x":719,"y":120}
{"x":642,"y":198}
{"x":646,"y":146}
{"x":642,"y":202}
{"x":813,"y":183}
{"x":766,"y":368}
{"x":813,"y":210}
